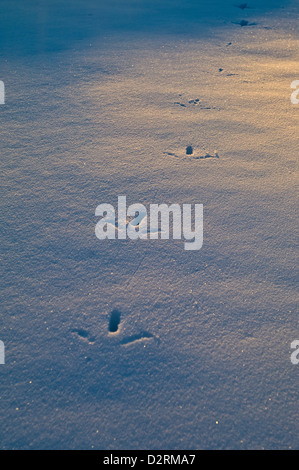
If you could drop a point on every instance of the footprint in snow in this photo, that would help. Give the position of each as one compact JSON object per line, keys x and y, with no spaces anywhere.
{"x":242,"y":6}
{"x":192,"y":103}
{"x":84,"y":335}
{"x":244,"y":23}
{"x":114,"y":321}
{"x":193,"y":153}
{"x":139,"y":338}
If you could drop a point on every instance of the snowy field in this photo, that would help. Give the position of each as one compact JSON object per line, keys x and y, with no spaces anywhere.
{"x":102,"y":99}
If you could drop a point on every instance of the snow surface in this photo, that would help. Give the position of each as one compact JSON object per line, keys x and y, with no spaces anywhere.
{"x":140,"y":344}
